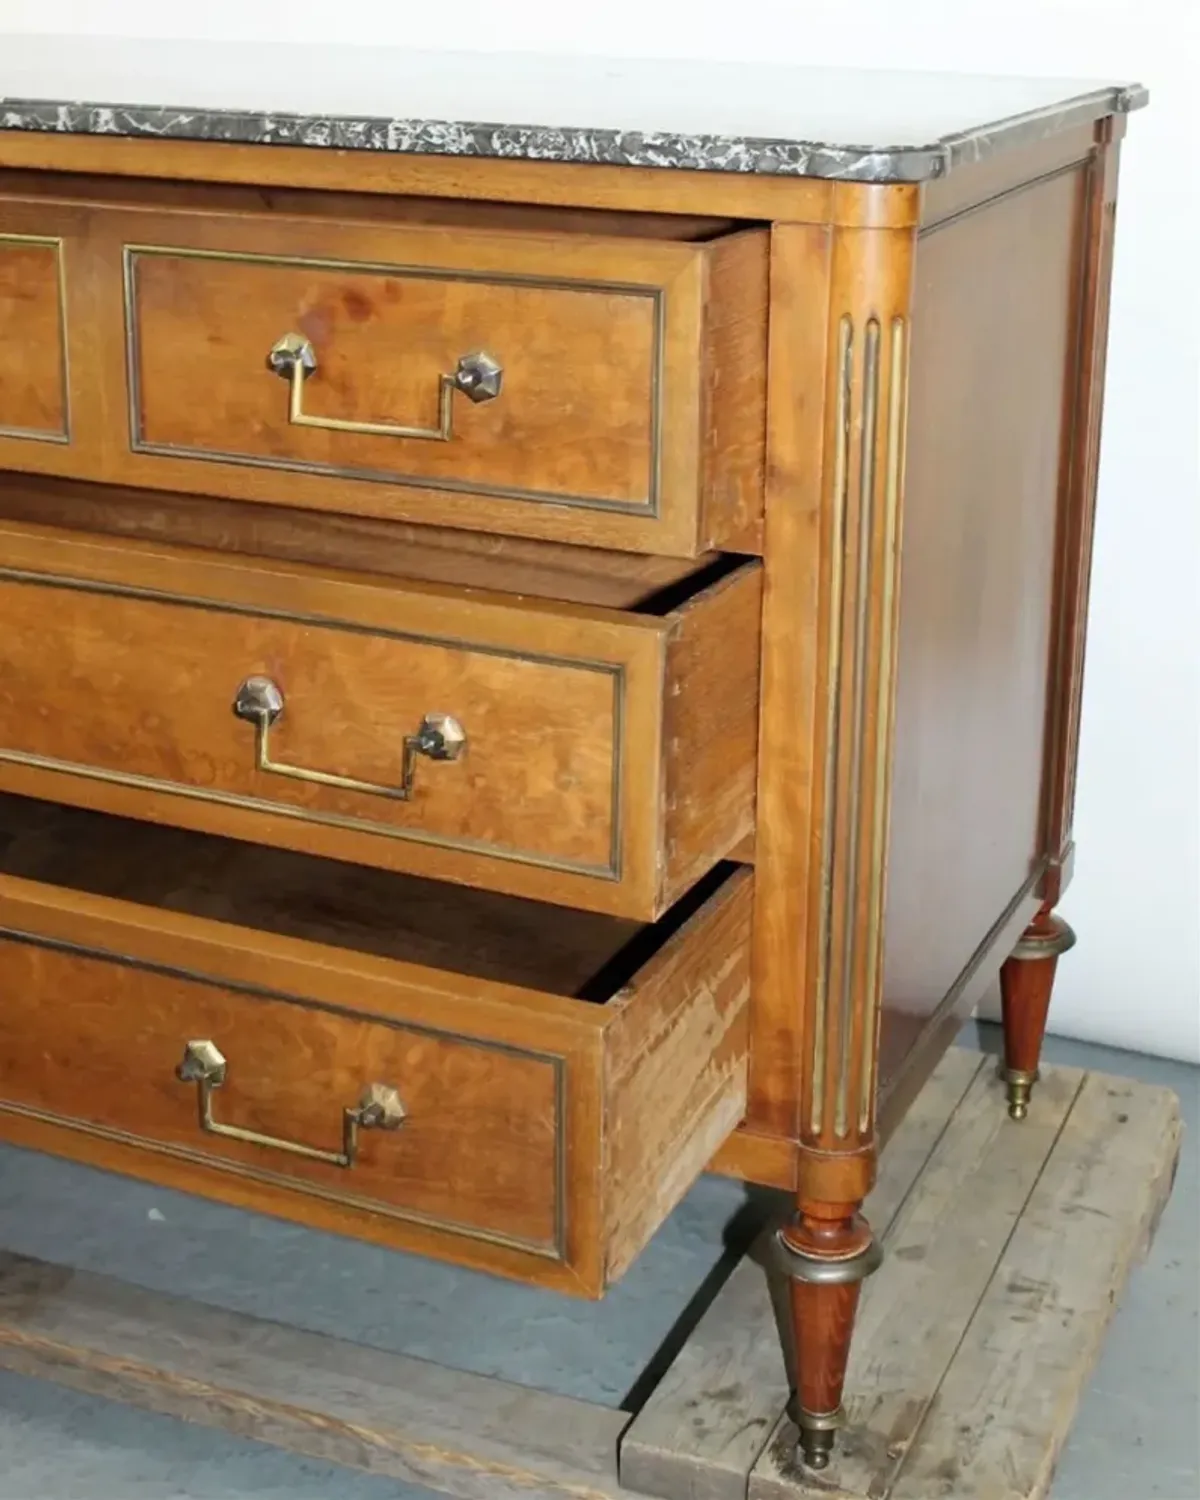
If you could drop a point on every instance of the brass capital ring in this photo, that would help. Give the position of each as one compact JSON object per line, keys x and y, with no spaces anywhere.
{"x":1046,"y":944}
{"x":820,"y":1271}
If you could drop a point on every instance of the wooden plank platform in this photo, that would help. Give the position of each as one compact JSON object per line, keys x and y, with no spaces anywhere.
{"x":1007,"y":1248}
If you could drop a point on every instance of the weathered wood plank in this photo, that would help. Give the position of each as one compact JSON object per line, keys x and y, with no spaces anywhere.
{"x":701,"y":1430}
{"x":464,"y":1434}
{"x":941,"y":1255}
{"x":1011,"y":1391}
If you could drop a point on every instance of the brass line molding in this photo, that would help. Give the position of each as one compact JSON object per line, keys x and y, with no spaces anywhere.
{"x":299,"y":1185}
{"x":841,"y":502}
{"x":650,"y":508}
{"x":555,"y":1062}
{"x":861,"y":698}
{"x":885,"y":707}
{"x":864,"y":572}
{"x":613,"y":871}
{"x":35,"y":434}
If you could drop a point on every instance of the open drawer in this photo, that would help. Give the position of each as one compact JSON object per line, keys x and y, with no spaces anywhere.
{"x":478,"y":1077}
{"x":597,"y":757}
{"x":602,"y":385}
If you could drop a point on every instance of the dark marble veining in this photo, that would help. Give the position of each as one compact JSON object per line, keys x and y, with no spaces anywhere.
{"x":900,"y":160}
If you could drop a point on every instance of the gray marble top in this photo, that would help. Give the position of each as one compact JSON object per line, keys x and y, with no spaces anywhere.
{"x":857,"y":126}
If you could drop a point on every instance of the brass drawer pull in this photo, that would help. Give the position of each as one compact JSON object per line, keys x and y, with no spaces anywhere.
{"x":260,"y":702}
{"x":477,"y":376}
{"x":380,"y":1108}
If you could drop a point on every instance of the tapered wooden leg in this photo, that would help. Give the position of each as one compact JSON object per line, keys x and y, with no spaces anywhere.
{"x":1026,"y":981}
{"x":827,"y":1252}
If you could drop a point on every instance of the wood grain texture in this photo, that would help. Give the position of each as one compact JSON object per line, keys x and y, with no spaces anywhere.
{"x":710,"y":727}
{"x":707,"y":1420}
{"x":970,"y":1194}
{"x":123,"y":942}
{"x":1003,"y":1266}
{"x":461,"y":1434}
{"x":1042,"y":1320}
{"x":675,"y":1069}
{"x":433,"y":554}
{"x":560,"y":794}
{"x":599,"y":435}
{"x":358,"y":207}
{"x":988,"y":458}
{"x":33,"y":348}
{"x":833,"y":534}
{"x":93,"y":1045}
{"x":733,"y":361}
{"x":589,"y":185}
{"x":1004,"y":1402}
{"x":785,"y":852}
{"x":1077,"y":511}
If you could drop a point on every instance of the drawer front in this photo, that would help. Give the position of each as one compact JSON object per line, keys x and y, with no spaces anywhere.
{"x":559,"y":386}
{"x":501,"y":1127}
{"x":34,"y":403}
{"x":515,"y":748}
{"x":468,"y":1135}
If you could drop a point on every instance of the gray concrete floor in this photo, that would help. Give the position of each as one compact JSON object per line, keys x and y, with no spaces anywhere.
{"x":1137,"y":1436}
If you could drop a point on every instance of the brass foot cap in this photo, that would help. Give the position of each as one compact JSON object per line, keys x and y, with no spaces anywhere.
{"x":815,"y":1448}
{"x":1019,"y":1086}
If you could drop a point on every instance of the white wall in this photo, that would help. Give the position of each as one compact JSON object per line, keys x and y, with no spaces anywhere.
{"x":1134,"y":979}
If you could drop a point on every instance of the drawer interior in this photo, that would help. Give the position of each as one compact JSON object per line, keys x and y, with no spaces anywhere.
{"x":478,"y":934}
{"x":643,"y":584}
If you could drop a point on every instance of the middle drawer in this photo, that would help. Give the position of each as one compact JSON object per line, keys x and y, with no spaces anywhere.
{"x":599,"y":758}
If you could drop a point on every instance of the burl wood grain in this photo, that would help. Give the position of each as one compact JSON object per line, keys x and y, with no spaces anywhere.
{"x":124,"y":660}
{"x":558,"y":1038}
{"x":33,"y":389}
{"x":989,"y":456}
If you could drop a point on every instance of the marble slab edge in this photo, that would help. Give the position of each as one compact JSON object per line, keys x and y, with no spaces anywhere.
{"x":696,"y":153}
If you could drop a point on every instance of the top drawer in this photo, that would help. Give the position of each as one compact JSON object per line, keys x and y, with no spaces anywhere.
{"x":606,"y":390}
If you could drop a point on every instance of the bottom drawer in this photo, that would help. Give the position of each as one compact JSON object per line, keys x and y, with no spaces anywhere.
{"x":512,"y":1086}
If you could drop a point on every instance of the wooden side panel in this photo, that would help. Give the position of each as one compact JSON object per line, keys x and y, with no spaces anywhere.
{"x":734,"y":362}
{"x":33,"y":351}
{"x":993,"y":370}
{"x":710,"y":730}
{"x":675,"y":1069}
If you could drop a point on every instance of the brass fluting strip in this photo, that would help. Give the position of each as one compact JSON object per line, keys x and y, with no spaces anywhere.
{"x":884,"y":709}
{"x":862,"y":621}
{"x":841,"y":475}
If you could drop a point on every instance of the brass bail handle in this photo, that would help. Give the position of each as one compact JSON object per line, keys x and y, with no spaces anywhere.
{"x":259,"y":701}
{"x":477,"y":376}
{"x":380,"y":1108}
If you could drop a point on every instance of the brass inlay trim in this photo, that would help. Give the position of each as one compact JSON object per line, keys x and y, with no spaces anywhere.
{"x":841,"y":501}
{"x":556,"y":1251}
{"x":36,"y":434}
{"x":612,"y":871}
{"x":862,"y":624}
{"x":649,"y":508}
{"x":897,"y":412}
{"x":862,"y":703}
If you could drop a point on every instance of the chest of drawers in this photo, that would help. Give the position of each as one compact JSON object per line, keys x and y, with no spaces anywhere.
{"x":536,"y":664}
